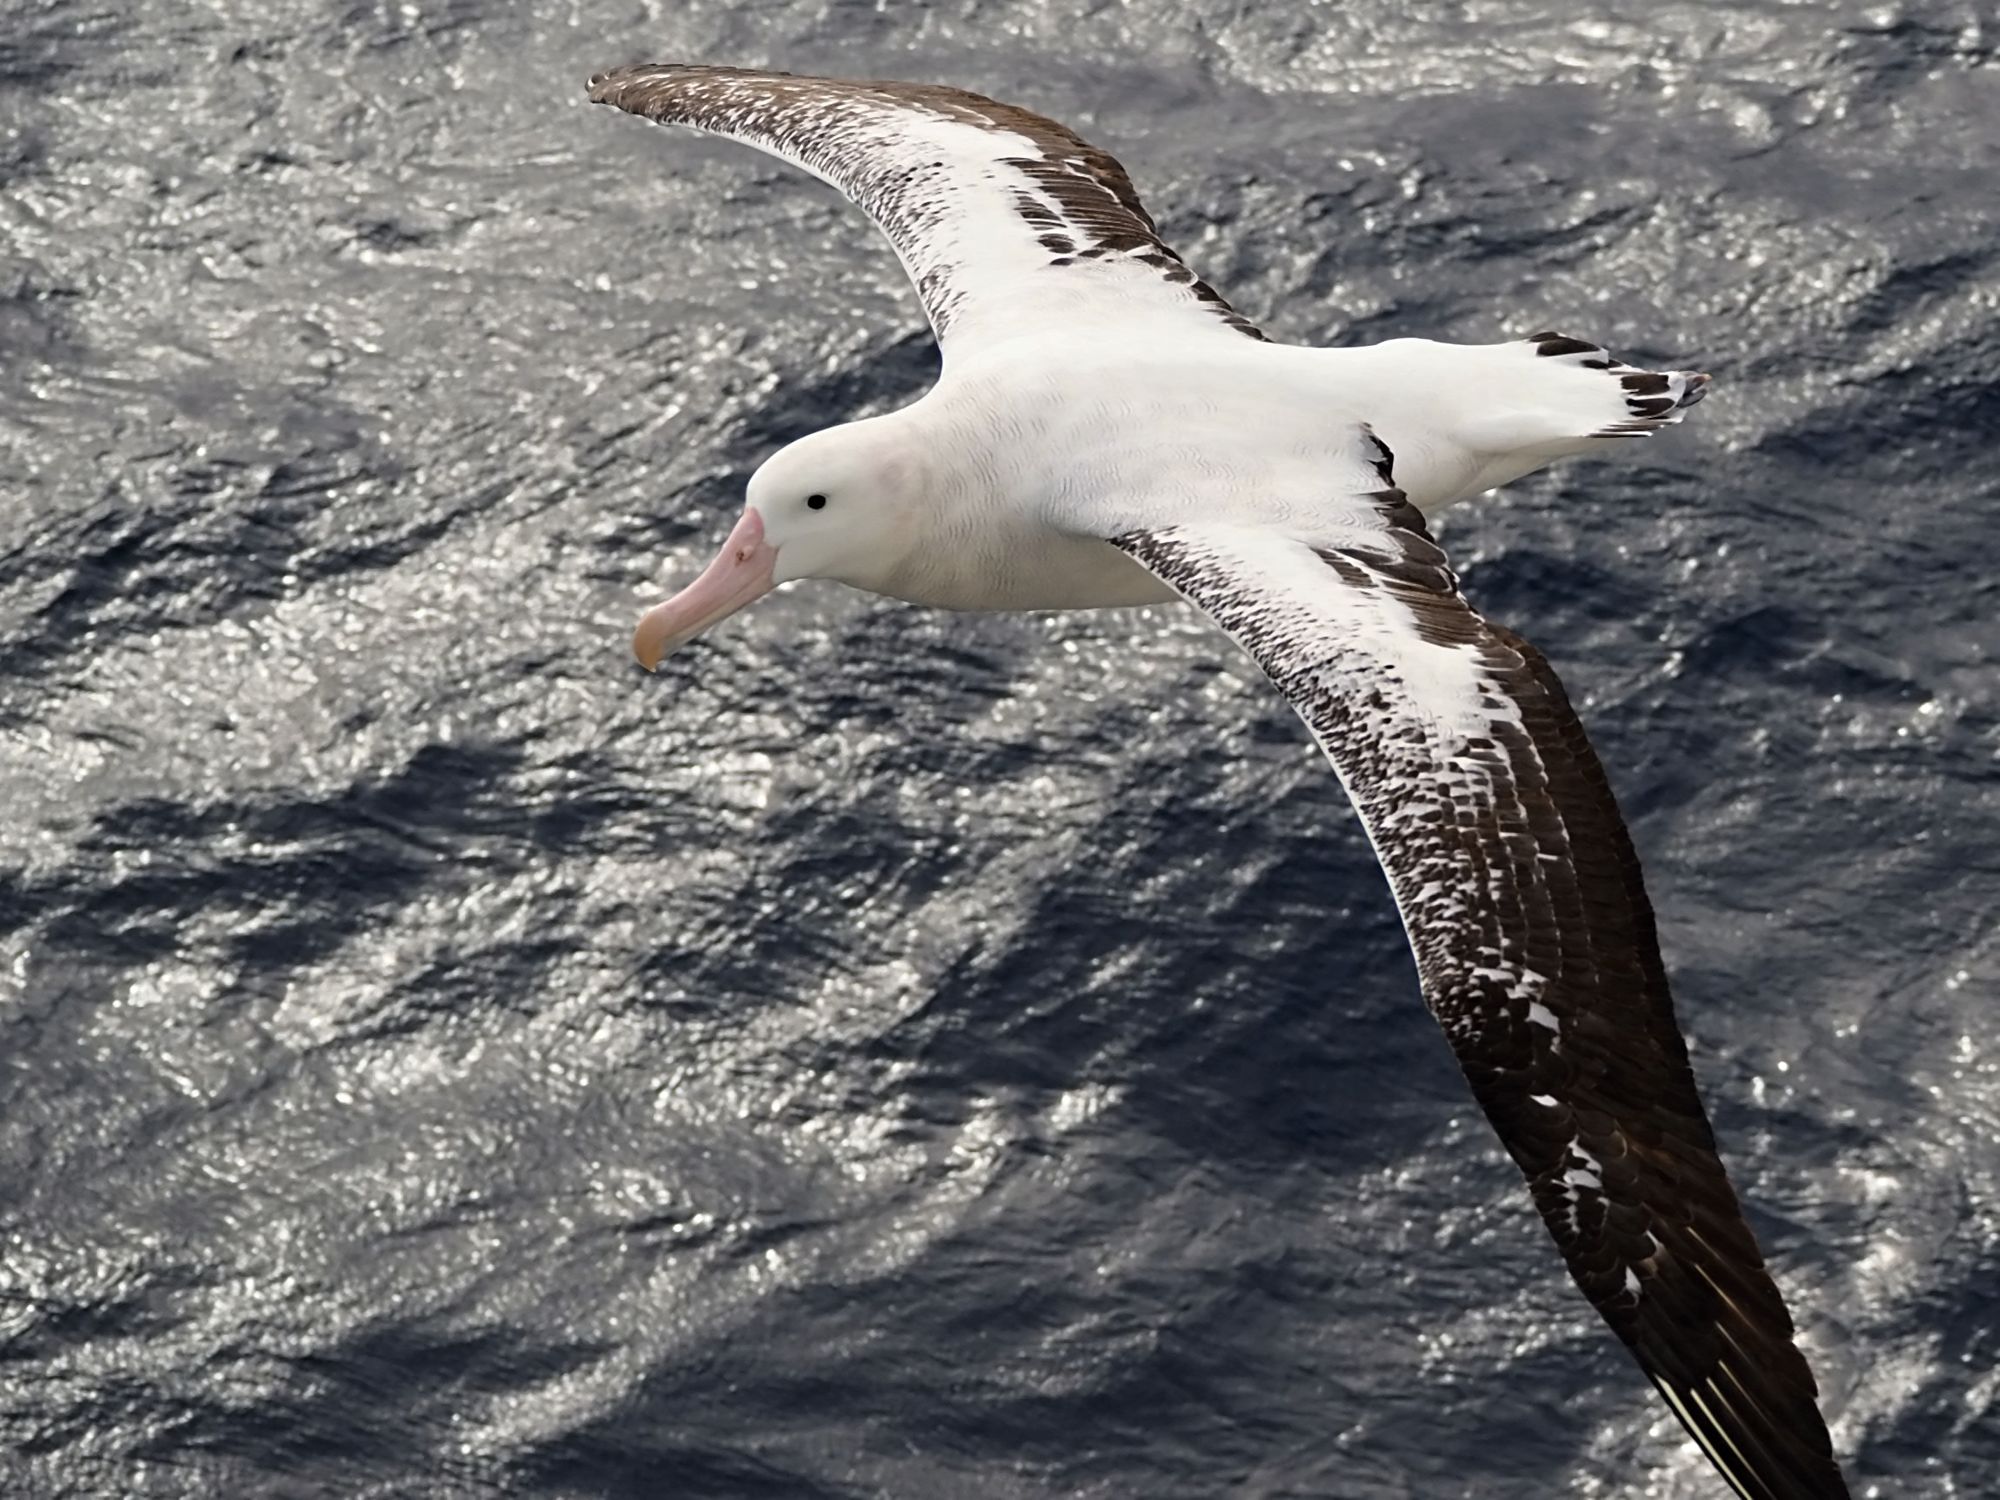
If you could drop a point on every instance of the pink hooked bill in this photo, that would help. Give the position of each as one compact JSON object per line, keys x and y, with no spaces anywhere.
{"x":740,"y":575}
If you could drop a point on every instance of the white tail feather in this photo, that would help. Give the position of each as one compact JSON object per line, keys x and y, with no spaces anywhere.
{"x":1465,"y":418}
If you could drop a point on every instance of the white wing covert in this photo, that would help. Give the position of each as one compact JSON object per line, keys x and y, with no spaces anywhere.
{"x":1521,"y":894}
{"x":1007,"y":222}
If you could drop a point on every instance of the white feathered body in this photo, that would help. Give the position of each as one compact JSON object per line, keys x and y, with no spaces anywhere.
{"x":1037,"y":453}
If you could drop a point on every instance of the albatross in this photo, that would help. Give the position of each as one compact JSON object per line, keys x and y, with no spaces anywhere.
{"x":1107,"y":430}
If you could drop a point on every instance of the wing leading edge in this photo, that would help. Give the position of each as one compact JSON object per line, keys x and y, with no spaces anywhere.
{"x":1006,"y":221}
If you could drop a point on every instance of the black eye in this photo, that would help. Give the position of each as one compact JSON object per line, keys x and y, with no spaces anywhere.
{"x":815,"y":502}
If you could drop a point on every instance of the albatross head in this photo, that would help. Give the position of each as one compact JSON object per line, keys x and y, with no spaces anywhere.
{"x":840,"y":504}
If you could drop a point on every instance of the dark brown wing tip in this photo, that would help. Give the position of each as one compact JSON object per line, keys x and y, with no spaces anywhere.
{"x":601,"y":85}
{"x":1758,"y":1457}
{"x":1713,"y":1334}
{"x":607,"y":87}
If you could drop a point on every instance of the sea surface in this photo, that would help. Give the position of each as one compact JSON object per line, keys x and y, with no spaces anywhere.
{"x":891,"y":1054}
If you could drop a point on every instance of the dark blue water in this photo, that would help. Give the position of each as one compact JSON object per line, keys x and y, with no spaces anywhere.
{"x":901,"y":1055}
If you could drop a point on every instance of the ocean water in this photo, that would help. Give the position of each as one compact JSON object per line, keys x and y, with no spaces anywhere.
{"x":892,"y":1054}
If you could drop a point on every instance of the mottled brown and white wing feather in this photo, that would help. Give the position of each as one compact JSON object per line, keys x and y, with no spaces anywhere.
{"x":1521,"y":894}
{"x":1007,"y":223}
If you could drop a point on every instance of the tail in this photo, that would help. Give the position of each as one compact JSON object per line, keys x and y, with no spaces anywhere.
{"x":1464,"y":418}
{"x":1621,"y":401}
{"x":1550,"y":395}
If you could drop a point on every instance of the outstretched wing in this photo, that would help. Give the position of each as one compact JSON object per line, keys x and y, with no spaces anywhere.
{"x":1007,"y":222}
{"x":1521,"y":894}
